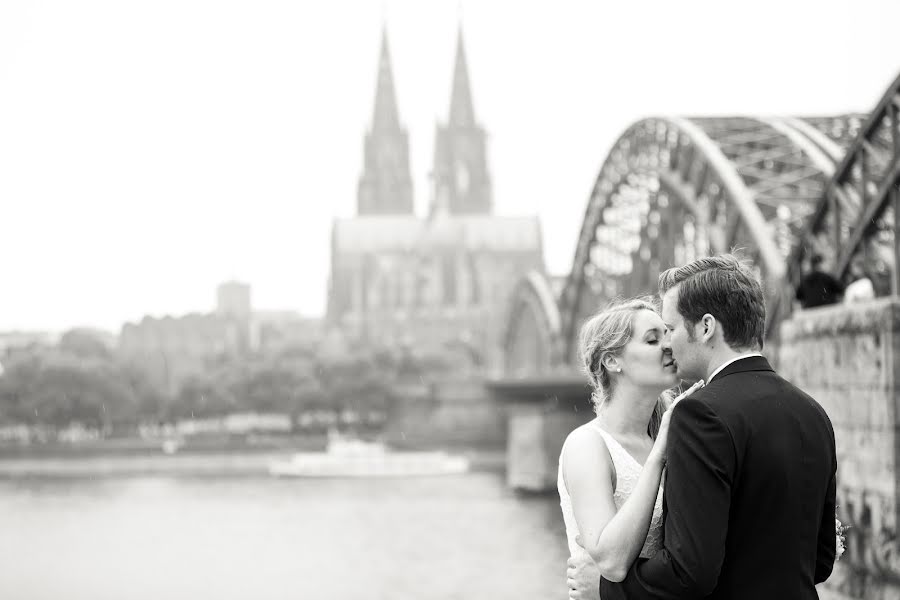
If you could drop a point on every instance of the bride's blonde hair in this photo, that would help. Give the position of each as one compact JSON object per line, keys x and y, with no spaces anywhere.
{"x":606,"y":333}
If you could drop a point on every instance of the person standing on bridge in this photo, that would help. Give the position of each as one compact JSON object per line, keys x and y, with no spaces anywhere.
{"x":749,"y":501}
{"x":817,"y":287}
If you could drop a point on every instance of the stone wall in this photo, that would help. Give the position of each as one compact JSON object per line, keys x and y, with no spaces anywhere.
{"x":848,"y":357}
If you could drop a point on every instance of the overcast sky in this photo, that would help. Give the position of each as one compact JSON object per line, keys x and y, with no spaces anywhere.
{"x":150,"y":150}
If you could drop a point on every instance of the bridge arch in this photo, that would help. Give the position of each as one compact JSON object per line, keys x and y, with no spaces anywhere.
{"x":532,"y":340}
{"x":673,"y":189}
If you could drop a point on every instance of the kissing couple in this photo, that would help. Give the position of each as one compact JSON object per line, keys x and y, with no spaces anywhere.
{"x":726,"y":492}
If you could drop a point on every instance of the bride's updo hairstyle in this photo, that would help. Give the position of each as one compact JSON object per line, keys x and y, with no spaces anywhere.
{"x":607,"y":333}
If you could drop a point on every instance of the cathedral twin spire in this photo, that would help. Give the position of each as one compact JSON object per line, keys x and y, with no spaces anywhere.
{"x":460,"y":177}
{"x":386,"y":116}
{"x":385,"y":186}
{"x":461,"y":111}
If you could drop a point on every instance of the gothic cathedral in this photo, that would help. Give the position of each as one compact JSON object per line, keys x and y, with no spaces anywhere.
{"x":437,"y":282}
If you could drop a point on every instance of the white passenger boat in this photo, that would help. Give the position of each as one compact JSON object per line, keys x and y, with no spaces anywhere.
{"x":356,"y":458}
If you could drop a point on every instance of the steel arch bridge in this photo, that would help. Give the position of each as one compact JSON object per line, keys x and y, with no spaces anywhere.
{"x":676,"y":188}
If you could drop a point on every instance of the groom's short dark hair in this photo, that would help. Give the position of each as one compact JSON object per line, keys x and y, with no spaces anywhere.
{"x":726,"y":288}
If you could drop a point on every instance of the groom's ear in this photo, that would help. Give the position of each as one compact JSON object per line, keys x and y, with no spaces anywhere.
{"x":709,"y":325}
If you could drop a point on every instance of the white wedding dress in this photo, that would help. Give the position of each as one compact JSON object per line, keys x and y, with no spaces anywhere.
{"x":627,"y":472}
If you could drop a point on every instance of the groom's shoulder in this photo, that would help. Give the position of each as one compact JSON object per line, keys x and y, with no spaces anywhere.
{"x":724,"y":395}
{"x":739,"y":393}
{"x":804,"y":398}
{"x":749,"y":382}
{"x":709,"y":402}
{"x":719,"y":391}
{"x":705,"y":400}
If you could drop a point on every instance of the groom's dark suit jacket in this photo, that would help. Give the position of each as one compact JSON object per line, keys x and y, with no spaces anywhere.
{"x":749,"y":497}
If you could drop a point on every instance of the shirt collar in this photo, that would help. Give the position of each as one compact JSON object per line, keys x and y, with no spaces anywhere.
{"x":725,"y":364}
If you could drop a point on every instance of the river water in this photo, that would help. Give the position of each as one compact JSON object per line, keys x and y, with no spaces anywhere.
{"x":163,"y":537}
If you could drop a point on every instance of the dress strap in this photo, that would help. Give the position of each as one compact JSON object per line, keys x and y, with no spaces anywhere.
{"x":615,"y":448}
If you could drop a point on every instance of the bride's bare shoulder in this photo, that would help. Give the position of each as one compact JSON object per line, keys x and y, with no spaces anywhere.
{"x":585,"y":440}
{"x":585,"y":455}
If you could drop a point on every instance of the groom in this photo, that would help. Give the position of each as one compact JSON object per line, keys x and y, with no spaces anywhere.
{"x":750,"y":484}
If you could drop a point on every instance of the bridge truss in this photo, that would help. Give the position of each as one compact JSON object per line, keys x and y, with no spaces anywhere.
{"x":855,"y":221}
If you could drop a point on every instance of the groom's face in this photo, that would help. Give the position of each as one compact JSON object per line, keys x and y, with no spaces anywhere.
{"x":685,"y":347}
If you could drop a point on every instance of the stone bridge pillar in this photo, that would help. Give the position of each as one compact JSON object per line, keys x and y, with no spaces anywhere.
{"x":848,"y":358}
{"x":541,"y":411}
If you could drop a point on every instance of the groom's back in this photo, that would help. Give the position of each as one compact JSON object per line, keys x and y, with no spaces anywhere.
{"x":784,"y":450}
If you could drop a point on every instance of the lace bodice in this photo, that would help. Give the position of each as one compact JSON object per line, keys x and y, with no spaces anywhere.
{"x":627,"y":472}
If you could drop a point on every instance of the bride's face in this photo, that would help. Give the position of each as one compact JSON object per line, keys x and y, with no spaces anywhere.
{"x":644,"y":359}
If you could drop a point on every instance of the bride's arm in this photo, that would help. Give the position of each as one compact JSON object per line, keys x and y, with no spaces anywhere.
{"x":613,"y":539}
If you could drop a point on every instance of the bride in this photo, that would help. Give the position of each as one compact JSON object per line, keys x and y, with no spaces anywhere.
{"x":611,"y":469}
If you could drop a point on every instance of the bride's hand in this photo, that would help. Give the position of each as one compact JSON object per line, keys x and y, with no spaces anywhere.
{"x":662,"y":437}
{"x":582,"y":577}
{"x":687,"y":393}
